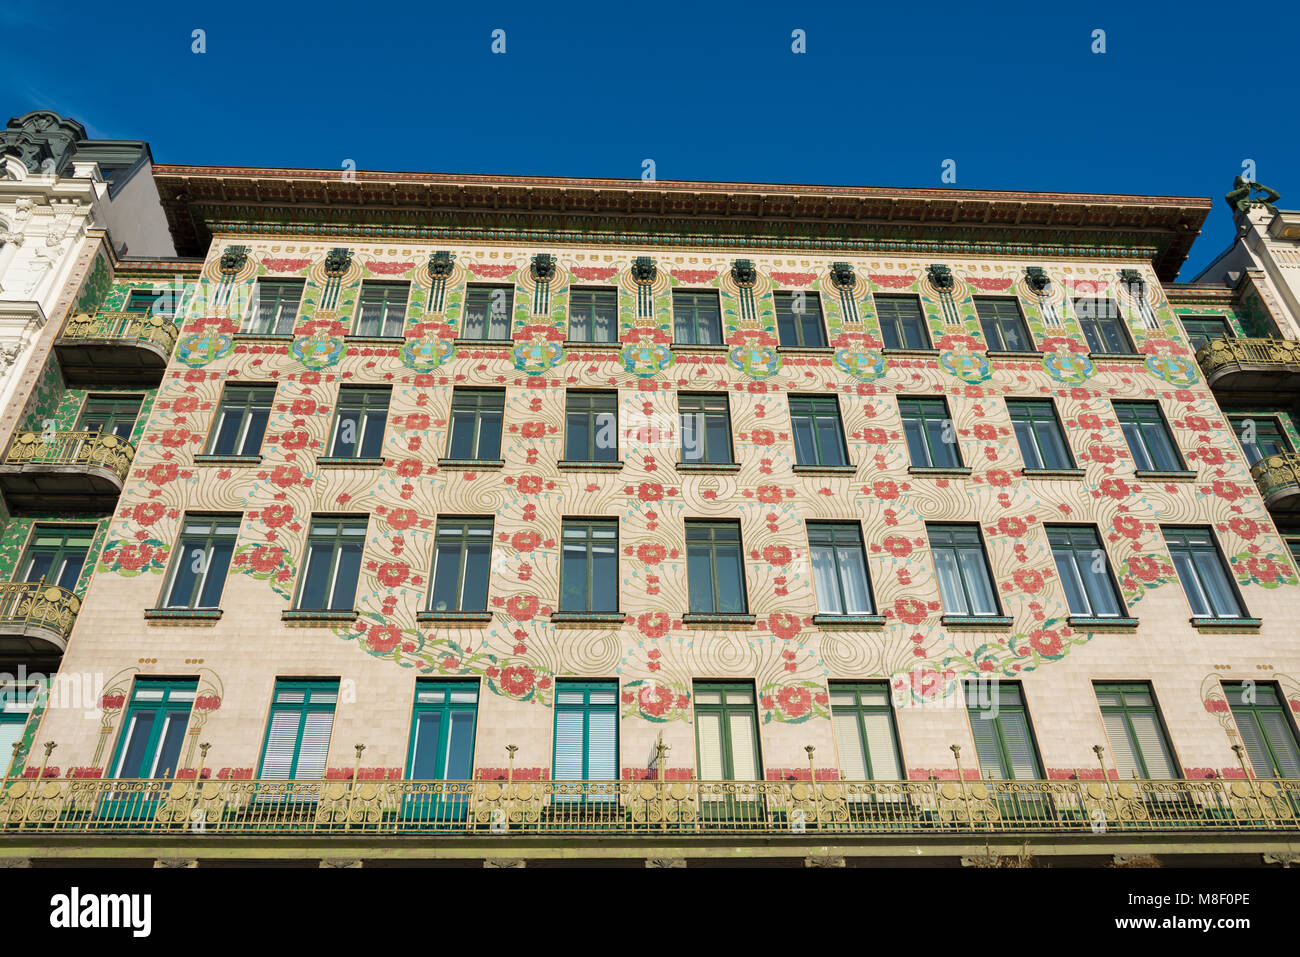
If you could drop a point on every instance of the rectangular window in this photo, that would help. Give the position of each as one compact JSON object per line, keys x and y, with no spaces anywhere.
{"x":706,"y":427}
{"x":476,"y":417}
{"x":1004,"y":740}
{"x":865,"y":733}
{"x":442,"y":731}
{"x":902,"y":325}
{"x":360,"y":422}
{"x":1138,"y":743}
{"x":714,"y":568}
{"x":1004,"y":325}
{"x":462,"y":562}
{"x":110,"y":414}
{"x":697,"y":319}
{"x":1103,"y":326}
{"x":157,"y":302}
{"x":1038,"y":430}
{"x":931,"y":438}
{"x":799,"y":319}
{"x":16,"y":704}
{"x":1202,"y":571}
{"x":241,"y":420}
{"x":818,"y":434}
{"x":333,"y":564}
{"x":154,"y":729}
{"x":487,"y":313}
{"x":382,"y":309}
{"x":201,"y":561}
{"x":56,"y":554}
{"x":589,"y":565}
{"x":298,"y":733}
{"x":1266,"y":731}
{"x":593,"y":315}
{"x":726,"y":732}
{"x":586,"y":733}
{"x":1084,"y":570}
{"x":965,"y":583}
{"x":275,"y":307}
{"x":1149,"y":440}
{"x":1205,"y":330}
{"x":591,"y":427}
{"x":839,"y":567}
{"x":1260,"y":436}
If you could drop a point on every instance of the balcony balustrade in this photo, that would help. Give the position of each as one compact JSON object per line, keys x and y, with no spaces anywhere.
{"x":36,"y":618}
{"x":128,"y":347}
{"x":1278,"y":478}
{"x":74,"y":471}
{"x":1251,"y":367}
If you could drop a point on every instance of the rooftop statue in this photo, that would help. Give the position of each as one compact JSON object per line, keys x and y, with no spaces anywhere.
{"x":1240,"y":198}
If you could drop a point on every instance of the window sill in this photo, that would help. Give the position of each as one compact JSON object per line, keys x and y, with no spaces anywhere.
{"x":471,"y":464}
{"x":375,"y":340}
{"x":928,"y":472}
{"x":805,"y":350}
{"x":1227,"y":625}
{"x":1117,"y":356}
{"x":182,"y":616}
{"x":824,"y":469}
{"x":482,"y":343}
{"x":1102,"y":624}
{"x":1159,"y":476}
{"x":227,"y":460}
{"x":992,"y":354}
{"x":453,"y":617}
{"x":919,"y":353}
{"x":976,"y":622}
{"x":609,"y":619}
{"x":1053,"y":473}
{"x":718,"y":620}
{"x":686,"y":347}
{"x":579,"y":344}
{"x":850,"y":622}
{"x":575,"y":465}
{"x":337,"y":462}
{"x":708,"y":466}
{"x":321,"y":617}
{"x":263,"y":337}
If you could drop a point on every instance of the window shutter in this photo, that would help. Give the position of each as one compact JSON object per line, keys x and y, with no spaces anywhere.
{"x":280,"y":740}
{"x":710,"y":732}
{"x":1283,"y":741}
{"x":744,"y":757}
{"x":986,"y":744}
{"x":315,"y":745}
{"x":568,"y":745}
{"x":852,"y":759}
{"x":602,"y":761}
{"x":1121,"y":746}
{"x":1020,"y":747}
{"x":882,"y":748}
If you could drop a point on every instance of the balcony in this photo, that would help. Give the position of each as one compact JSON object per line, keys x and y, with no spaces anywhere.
{"x":1278,"y":478}
{"x":72,"y":471}
{"x":128,"y":347}
{"x":36,"y":618}
{"x":1251,"y":367}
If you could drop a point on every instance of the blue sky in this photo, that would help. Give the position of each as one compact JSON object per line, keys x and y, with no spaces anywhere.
{"x":882,"y":97}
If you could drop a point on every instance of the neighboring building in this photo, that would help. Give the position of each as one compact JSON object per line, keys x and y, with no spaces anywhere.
{"x":607,"y":509}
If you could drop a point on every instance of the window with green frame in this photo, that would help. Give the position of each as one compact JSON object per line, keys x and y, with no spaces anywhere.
{"x":1266,"y":728}
{"x":1038,"y":431}
{"x":1083,"y":567}
{"x":154,"y":728}
{"x":1103,"y":326}
{"x":56,"y":554}
{"x":274,"y":307}
{"x":160,"y":302}
{"x":902,"y":324}
{"x":298,"y":731}
{"x":16,"y":704}
{"x":866,"y":735}
{"x":462,"y":563}
{"x":799,"y":319}
{"x":706,"y":427}
{"x":110,"y":414}
{"x":201,"y":561}
{"x":839,"y":568}
{"x":381,"y":310}
{"x":1139,"y":745}
{"x":586,"y":733}
{"x":1293,"y":546}
{"x":697,"y":318}
{"x":589,"y":565}
{"x":962,"y":567}
{"x":333,"y":564}
{"x":593,"y":315}
{"x":488,"y":313}
{"x":1202,"y":571}
{"x":591,"y":426}
{"x":1260,"y":436}
{"x":726,"y":732}
{"x":442,"y":730}
{"x":1004,"y":325}
{"x":1205,"y":329}
{"x":818,"y":432}
{"x":241,"y":420}
{"x":715,"y":570}
{"x":360,"y":421}
{"x":928,"y":428}
{"x":1149,"y":440}
{"x":1004,"y":739}
{"x":476,"y":420}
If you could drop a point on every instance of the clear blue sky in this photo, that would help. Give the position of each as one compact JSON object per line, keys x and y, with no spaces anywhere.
{"x":882,"y":97}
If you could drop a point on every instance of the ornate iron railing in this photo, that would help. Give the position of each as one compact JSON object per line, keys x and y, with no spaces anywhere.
{"x":1277,"y":472}
{"x":1219,"y":353}
{"x":676,"y":808}
{"x":124,"y":326}
{"x":103,"y":449}
{"x":36,"y":604}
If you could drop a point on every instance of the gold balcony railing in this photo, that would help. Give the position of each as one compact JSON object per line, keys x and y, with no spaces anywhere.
{"x":103,"y":449}
{"x":26,"y":605}
{"x":1277,"y":473}
{"x":675,"y":808}
{"x":124,"y":327}
{"x":1221,"y":355}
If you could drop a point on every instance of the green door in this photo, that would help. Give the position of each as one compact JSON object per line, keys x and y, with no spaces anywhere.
{"x":726,"y":743}
{"x":149,"y":749}
{"x":442,"y":750}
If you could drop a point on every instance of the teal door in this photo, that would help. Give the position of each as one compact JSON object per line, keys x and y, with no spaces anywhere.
{"x":149,"y":750}
{"x":442,"y":749}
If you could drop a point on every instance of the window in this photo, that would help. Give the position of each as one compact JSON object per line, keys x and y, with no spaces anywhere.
{"x":442,"y":731}
{"x":1149,"y":440}
{"x":160,"y":302}
{"x":818,"y":435}
{"x":241,"y":420}
{"x":476,"y":416}
{"x":16,"y":704}
{"x":586,"y":734}
{"x":965,"y":584}
{"x":591,"y":427}
{"x":1004,"y":325}
{"x":865,"y":734}
{"x":799,"y":319}
{"x":589,"y":570}
{"x":110,"y":414}
{"x":726,"y":732}
{"x":487,"y":313}
{"x":706,"y":428}
{"x":901,"y":323}
{"x":360,"y":422}
{"x":714,"y":570}
{"x":154,"y":729}
{"x":1004,"y":741}
{"x":201,"y":561}
{"x":275,"y":307}
{"x":839,"y":567}
{"x":462,"y":562}
{"x":1201,"y":569}
{"x":1038,"y":430}
{"x":382,"y":309}
{"x":697,"y":319}
{"x":56,"y":554}
{"x":1260,"y":437}
{"x":1202,"y":331}
{"x":593,"y":315}
{"x":1102,"y":326}
{"x":1084,"y":570}
{"x":298,"y":733}
{"x":334,"y":547}
{"x":1138,"y":743}
{"x":1265,"y":728}
{"x":931,"y":439}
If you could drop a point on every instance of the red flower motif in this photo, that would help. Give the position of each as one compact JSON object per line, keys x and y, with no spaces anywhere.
{"x":286,"y":476}
{"x":1028,"y":580}
{"x":392,"y":574}
{"x":517,"y":680}
{"x":1012,"y":527}
{"x":1227,"y":491}
{"x":885,"y":489}
{"x":384,"y":638}
{"x":651,"y":554}
{"x":265,"y":558}
{"x":522,"y":607}
{"x":875,"y":436}
{"x":985,"y":432}
{"x":111,"y":702}
{"x":1144,"y":567}
{"x":1247,"y":528}
{"x":1266,"y":569}
{"x":417,"y":421}
{"x":273,"y":516}
{"x":529,"y":484}
{"x":160,"y":475}
{"x":650,"y":492}
{"x":1128,"y":526}
{"x":912,"y":611}
{"x":762,"y":437}
{"x":1045,"y":642}
{"x":401,"y":519}
{"x":794,"y":701}
{"x":525,"y":541}
{"x":1115,"y":488}
{"x":768,"y":494}
{"x":1197,"y":423}
{"x":175,"y":438}
{"x":135,"y":557}
{"x":654,"y":624}
{"x":654,"y":700}
{"x":186,"y":403}
{"x":1102,"y":454}
{"x":533,"y":430}
{"x":998,"y":478}
{"x":898,"y":545}
{"x":302,"y":407}
{"x":410,"y":468}
{"x":147,"y":513}
{"x":777,"y":555}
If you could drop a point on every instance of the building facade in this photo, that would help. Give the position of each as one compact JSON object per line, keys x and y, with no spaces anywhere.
{"x":533,"y":520}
